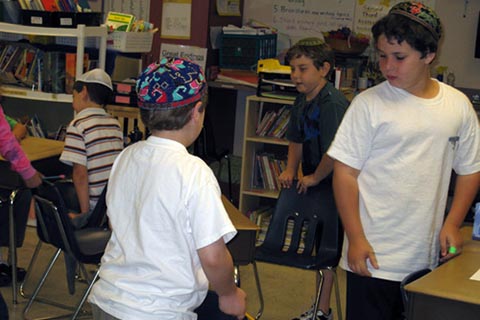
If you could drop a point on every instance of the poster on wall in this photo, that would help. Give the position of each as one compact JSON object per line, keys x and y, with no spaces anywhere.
{"x":367,"y":12}
{"x":228,"y":7}
{"x":192,"y":53}
{"x":176,"y":19}
{"x":301,"y":18}
{"x":139,"y":8}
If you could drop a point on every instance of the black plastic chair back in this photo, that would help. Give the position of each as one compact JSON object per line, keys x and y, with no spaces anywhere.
{"x":98,"y":216}
{"x":54,"y":227}
{"x":311,"y":223}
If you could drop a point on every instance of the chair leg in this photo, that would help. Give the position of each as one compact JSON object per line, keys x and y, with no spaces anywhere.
{"x":30,"y":267}
{"x":13,"y":245}
{"x":259,"y":290}
{"x":41,"y":282}
{"x":319,"y":287}
{"x":85,"y":295}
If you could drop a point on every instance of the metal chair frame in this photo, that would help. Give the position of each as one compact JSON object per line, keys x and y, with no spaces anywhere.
{"x":65,"y":239}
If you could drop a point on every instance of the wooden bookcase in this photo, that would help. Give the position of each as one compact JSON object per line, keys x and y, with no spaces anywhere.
{"x":251,"y":197}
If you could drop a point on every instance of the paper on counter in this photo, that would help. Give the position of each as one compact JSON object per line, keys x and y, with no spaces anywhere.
{"x":476,"y":276}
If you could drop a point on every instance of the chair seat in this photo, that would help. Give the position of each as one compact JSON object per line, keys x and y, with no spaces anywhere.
{"x":92,"y":241}
{"x":296,"y":260}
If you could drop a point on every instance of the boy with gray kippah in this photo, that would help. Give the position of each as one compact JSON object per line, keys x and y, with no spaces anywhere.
{"x":169,"y":226}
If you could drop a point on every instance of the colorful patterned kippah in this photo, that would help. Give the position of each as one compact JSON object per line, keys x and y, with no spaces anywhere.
{"x":310,"y":42}
{"x":420,"y":13}
{"x":170,"y":83}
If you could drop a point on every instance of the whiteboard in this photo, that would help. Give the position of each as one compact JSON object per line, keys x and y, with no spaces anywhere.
{"x":296,"y":19}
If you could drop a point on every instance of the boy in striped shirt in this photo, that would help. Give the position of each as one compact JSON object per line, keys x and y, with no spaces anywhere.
{"x":93,"y":140}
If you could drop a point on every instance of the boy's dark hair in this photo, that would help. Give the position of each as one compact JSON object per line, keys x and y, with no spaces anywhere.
{"x":318,"y":51}
{"x":98,"y":93}
{"x":400,"y":28}
{"x":170,"y":119}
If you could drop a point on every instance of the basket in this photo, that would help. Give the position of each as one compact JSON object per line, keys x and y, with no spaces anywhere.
{"x":130,"y":41}
{"x":244,"y":51}
{"x":346,"y":47}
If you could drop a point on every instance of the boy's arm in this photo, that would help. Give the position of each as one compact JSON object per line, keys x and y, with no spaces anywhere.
{"x":218,"y":266}
{"x":323,"y":169}
{"x":345,"y":187}
{"x":466,"y":188}
{"x":80,"y":181}
{"x":294,"y":157}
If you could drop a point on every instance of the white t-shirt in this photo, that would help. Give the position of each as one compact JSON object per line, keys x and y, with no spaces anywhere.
{"x":163,"y":204}
{"x":405,"y":148}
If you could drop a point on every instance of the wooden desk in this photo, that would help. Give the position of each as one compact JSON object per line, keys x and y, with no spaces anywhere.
{"x":42,"y":153}
{"x":242,"y":247}
{"x":447,"y":292}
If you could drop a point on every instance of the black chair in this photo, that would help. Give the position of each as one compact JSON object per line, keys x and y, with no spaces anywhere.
{"x":14,"y":207}
{"x":316,"y":235}
{"x":54,"y":227}
{"x":410,"y":278}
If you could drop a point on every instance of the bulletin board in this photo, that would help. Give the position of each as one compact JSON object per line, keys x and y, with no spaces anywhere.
{"x":296,"y":19}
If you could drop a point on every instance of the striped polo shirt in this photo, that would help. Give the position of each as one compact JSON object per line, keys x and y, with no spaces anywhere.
{"x":93,"y":139}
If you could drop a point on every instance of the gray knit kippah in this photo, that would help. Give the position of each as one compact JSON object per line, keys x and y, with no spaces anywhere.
{"x":310,"y":42}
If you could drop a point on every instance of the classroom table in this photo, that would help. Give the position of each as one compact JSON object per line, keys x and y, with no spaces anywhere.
{"x":242,"y":247}
{"x":43,"y":154}
{"x":447,"y":292}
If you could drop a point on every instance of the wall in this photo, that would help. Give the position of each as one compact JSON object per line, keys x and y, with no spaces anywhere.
{"x":457,"y":45}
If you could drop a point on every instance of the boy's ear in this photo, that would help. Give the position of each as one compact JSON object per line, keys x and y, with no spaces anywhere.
{"x":198,"y":109}
{"x":430,"y":57}
{"x":325,"y":68}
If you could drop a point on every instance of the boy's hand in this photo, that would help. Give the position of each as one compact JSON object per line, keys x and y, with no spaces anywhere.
{"x":358,"y":252}
{"x":451,"y":242}
{"x":305,"y":182}
{"x":234,"y":304}
{"x":286,"y":178}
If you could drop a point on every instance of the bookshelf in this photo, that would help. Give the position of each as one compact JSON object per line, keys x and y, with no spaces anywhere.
{"x":251,"y":197}
{"x":80,"y":33}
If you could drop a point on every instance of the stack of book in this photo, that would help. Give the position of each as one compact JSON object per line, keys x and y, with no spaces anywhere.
{"x":266,"y":171}
{"x":19,"y":63}
{"x":56,"y":5}
{"x":274,"y":123}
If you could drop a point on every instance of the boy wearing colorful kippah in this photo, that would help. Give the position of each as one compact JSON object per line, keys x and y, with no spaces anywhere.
{"x":169,"y":226}
{"x":316,"y":115}
{"x":394,"y":153}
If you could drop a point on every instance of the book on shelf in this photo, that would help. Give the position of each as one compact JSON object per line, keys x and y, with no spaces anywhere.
{"x":53,"y":73}
{"x":117,"y":21}
{"x":280,"y":127}
{"x":71,"y":69}
{"x":266,"y":170}
{"x":50,"y":5}
{"x":34,"y":128}
{"x":266,"y":122}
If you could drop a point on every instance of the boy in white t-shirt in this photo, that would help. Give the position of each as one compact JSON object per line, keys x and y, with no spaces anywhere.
{"x":169,"y":226}
{"x":394,"y":153}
